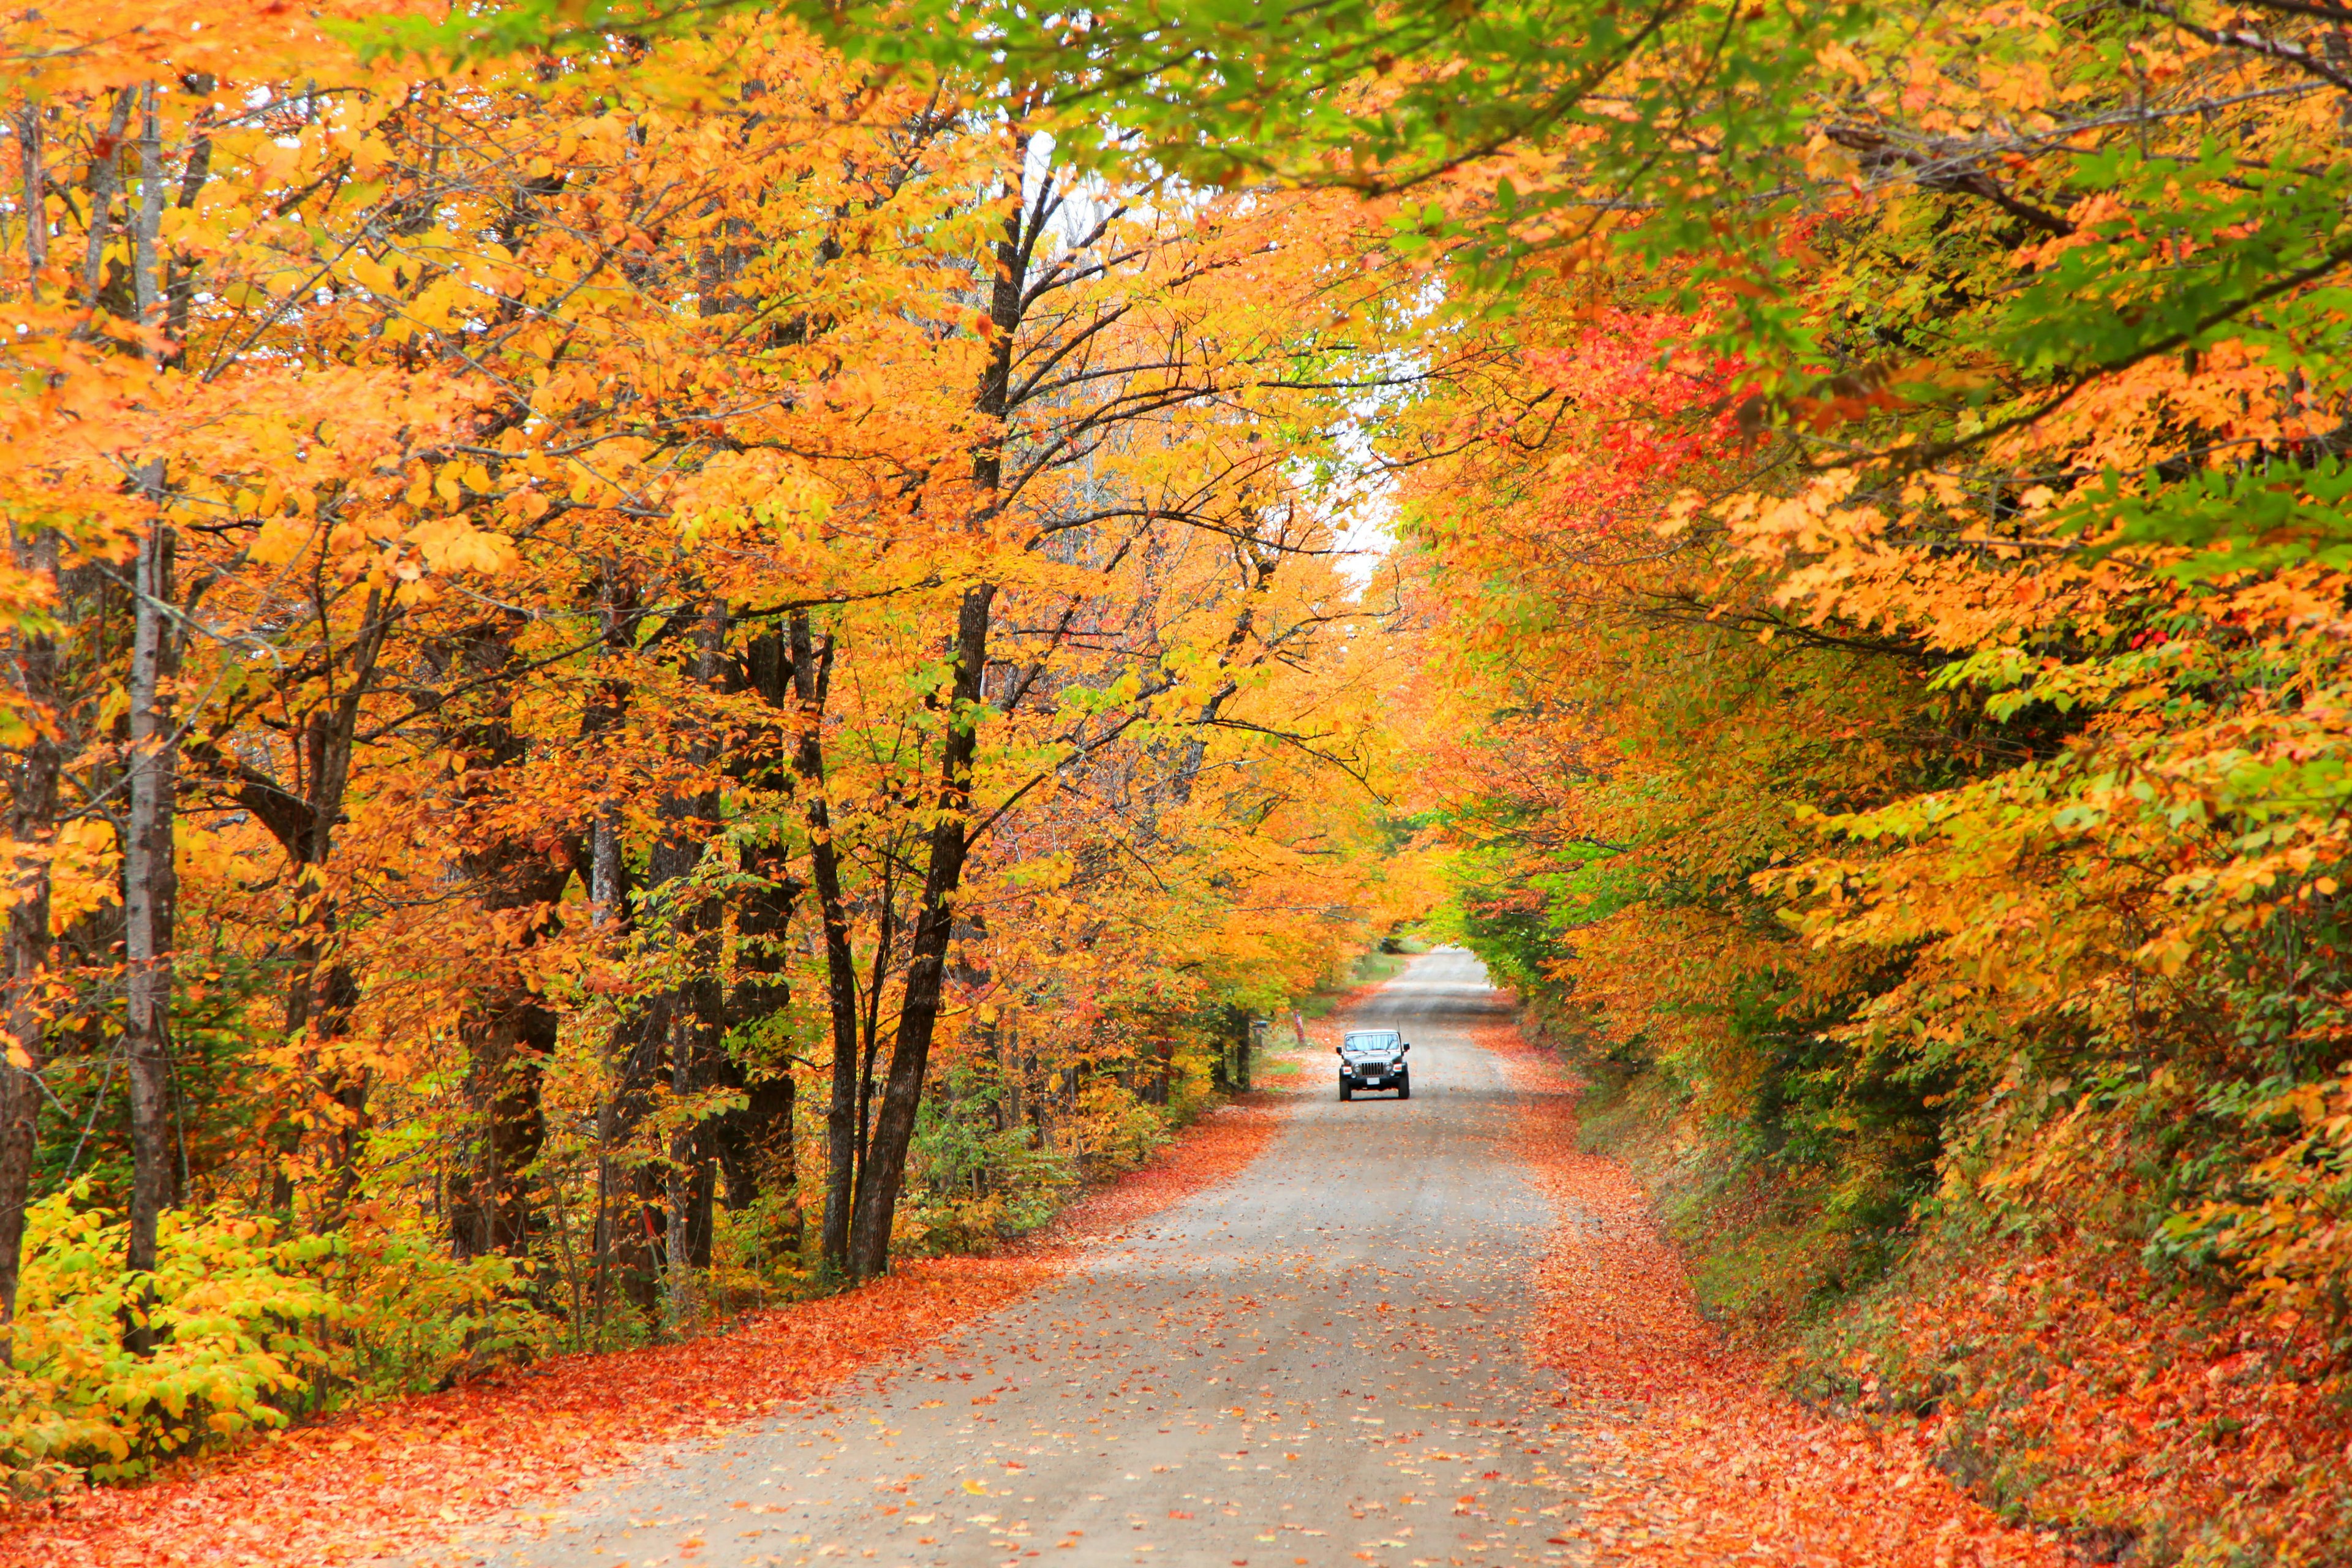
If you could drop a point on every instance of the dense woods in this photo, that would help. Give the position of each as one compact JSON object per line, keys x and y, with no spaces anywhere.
{"x":650,"y":653}
{"x":1893,"y":721}
{"x":630,"y":685}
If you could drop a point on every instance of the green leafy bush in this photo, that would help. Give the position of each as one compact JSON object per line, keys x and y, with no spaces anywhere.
{"x":252,"y":1327}
{"x":415,"y":1319}
{"x":243,"y":1327}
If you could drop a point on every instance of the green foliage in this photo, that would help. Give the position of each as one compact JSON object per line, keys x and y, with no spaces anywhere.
{"x":221,"y":1081}
{"x":982,"y":1182}
{"x":413,"y":1317}
{"x":1509,"y":922}
{"x":244,"y":1331}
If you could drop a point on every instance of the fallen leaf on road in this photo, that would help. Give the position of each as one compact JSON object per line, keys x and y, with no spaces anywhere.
{"x":441,"y":1465}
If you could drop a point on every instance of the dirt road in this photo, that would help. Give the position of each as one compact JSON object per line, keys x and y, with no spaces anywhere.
{"x":1316,"y":1364}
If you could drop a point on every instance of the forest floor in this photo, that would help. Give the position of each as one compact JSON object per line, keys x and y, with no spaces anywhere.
{"x":1421,"y":1332}
{"x":1691,"y":1455}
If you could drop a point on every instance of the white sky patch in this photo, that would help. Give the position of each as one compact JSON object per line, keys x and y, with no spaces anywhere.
{"x":1360,"y":495}
{"x":1362,"y":509}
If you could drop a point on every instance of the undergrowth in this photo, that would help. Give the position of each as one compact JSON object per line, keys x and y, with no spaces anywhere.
{"x":2074,"y":1364}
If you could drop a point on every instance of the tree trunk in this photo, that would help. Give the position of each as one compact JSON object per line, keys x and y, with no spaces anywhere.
{"x":919,"y":1013}
{"x":34,"y":198}
{"x":105,"y":179}
{"x":149,"y":878}
{"x":327,"y":992}
{"x":697,"y":1057}
{"x":146,"y":223}
{"x":149,"y":894}
{"x":508,"y":1032}
{"x":755,"y":1141}
{"x":321,"y":993}
{"x":505,"y":1028}
{"x":622,"y":1247}
{"x":884,"y":1168}
{"x":180,"y":273}
{"x":699,"y":1024}
{"x":661,"y":1228}
{"x":1013,"y":1076}
{"x":812,"y":672}
{"x":886,"y":933}
{"x":629,"y":1229}
{"x":608,"y":889}
{"x":33,"y":803}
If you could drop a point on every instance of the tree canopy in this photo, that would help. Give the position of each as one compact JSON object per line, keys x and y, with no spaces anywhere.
{"x":656,"y":649}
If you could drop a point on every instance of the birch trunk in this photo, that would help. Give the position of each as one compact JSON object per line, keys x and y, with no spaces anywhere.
{"x":149,"y":878}
{"x":149,"y":894}
{"x":146,"y":223}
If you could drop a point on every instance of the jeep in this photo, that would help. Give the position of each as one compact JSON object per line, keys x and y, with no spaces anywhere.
{"x":1373,"y":1058}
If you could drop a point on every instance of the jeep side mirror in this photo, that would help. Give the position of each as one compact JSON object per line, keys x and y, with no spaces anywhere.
{"x":1407,"y":1046}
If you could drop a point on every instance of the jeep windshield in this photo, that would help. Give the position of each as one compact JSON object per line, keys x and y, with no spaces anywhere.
{"x":1370,"y":1044}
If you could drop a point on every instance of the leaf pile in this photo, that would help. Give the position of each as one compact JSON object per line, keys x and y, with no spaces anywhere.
{"x":1694,"y":1457}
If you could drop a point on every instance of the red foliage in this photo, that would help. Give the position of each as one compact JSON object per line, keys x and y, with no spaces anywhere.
{"x":1694,"y":1457}
{"x":398,"y":1478}
{"x":2124,"y":1404}
{"x":1626,"y":361}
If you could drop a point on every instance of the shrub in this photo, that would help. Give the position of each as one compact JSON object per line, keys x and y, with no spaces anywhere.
{"x":242,"y":1328}
{"x":253,"y":1328}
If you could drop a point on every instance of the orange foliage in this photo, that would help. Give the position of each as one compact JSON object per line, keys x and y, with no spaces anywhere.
{"x":710,"y":584}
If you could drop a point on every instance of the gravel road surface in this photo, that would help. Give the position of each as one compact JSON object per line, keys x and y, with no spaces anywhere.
{"x":1316,"y":1364}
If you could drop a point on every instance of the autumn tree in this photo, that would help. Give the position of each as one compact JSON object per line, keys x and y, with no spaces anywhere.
{"x":563,"y":614}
